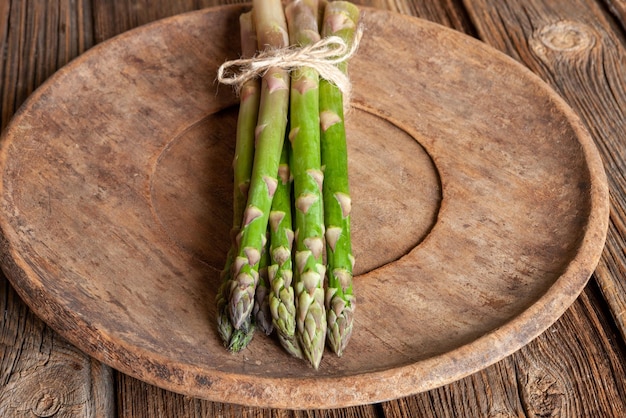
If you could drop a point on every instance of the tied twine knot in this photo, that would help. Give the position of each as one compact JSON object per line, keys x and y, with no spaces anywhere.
{"x":322,"y":56}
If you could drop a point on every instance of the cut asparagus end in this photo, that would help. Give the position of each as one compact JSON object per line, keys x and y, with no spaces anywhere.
{"x":240,"y":338}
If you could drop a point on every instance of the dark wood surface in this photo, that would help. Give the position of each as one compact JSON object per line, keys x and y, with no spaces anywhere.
{"x":574,"y":369}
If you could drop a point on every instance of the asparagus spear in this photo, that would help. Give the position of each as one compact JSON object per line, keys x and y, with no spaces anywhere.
{"x":237,"y":339}
{"x":340,"y":19}
{"x":282,"y":302}
{"x":234,"y":339}
{"x":271,"y":29}
{"x":307,"y":176}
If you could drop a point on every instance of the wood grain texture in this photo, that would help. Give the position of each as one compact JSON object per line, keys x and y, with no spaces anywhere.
{"x":112,"y":18}
{"x":42,"y":374}
{"x":38,"y":37}
{"x":445,"y":12}
{"x":618,"y":8}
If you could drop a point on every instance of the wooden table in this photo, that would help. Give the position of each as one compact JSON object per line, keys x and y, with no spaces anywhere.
{"x":575,"y":369}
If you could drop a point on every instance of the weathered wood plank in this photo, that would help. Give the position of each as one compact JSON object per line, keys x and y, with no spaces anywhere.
{"x":491,"y":392}
{"x":41,"y":374}
{"x":446,"y":12}
{"x":4,"y":33}
{"x":11,"y":96}
{"x":572,"y":44}
{"x":38,"y":38}
{"x":114,"y":17}
{"x":552,"y":376}
{"x":618,"y":8}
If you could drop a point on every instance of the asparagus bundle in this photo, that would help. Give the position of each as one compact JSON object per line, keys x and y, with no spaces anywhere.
{"x":340,"y":19}
{"x":291,"y":197}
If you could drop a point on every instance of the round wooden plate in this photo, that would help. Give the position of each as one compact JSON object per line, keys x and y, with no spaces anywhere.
{"x":480,"y":211}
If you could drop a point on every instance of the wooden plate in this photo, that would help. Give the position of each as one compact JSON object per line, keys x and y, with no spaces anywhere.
{"x":480,"y":211}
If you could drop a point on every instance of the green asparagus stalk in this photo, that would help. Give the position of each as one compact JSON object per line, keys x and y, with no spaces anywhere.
{"x":271,"y":29}
{"x":261,"y":310}
{"x":340,"y":19}
{"x":237,"y":339}
{"x":280,"y":271}
{"x":304,"y":135}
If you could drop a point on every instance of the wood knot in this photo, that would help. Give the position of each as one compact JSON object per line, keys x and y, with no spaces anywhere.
{"x":543,"y":394}
{"x":564,"y":37}
{"x":46,"y":405}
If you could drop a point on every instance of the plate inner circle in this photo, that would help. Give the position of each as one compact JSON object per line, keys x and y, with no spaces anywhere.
{"x":191,"y":188}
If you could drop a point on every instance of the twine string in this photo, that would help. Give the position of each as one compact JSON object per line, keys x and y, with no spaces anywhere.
{"x":322,"y":56}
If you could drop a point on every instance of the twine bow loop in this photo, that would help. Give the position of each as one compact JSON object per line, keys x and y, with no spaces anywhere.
{"x":323,"y":56}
